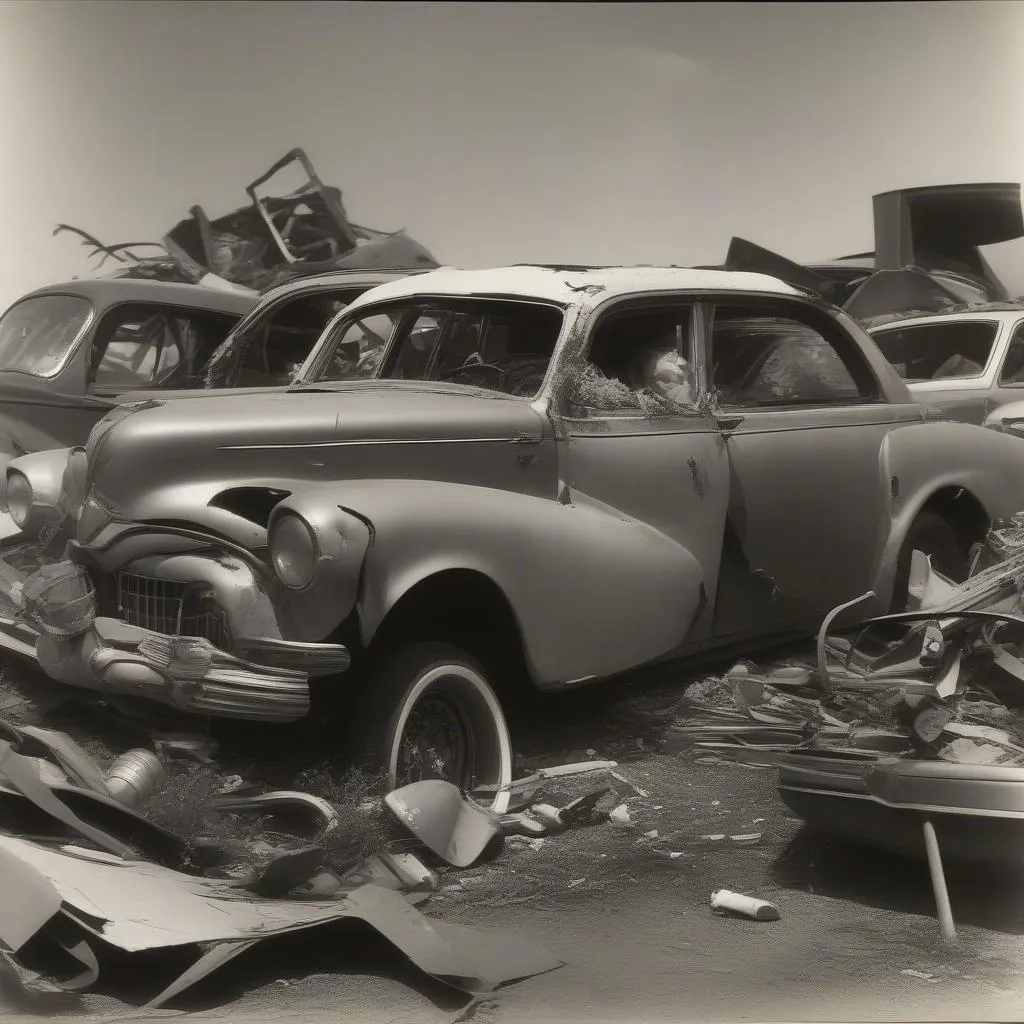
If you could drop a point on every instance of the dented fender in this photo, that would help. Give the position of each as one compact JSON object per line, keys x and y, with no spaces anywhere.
{"x":594,"y":592}
{"x":921,"y":460}
{"x":343,"y":538}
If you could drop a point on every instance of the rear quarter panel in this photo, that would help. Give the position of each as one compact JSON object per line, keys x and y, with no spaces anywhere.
{"x":925,"y":458}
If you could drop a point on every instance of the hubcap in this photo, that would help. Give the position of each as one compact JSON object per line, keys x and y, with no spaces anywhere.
{"x":436,"y":743}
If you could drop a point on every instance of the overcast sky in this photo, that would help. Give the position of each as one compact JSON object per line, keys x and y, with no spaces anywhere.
{"x":496,"y":133}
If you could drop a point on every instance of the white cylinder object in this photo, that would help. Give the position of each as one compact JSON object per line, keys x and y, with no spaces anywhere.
{"x":749,"y":906}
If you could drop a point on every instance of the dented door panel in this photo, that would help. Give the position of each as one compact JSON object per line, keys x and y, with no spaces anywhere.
{"x":807,"y":514}
{"x":670,"y":473}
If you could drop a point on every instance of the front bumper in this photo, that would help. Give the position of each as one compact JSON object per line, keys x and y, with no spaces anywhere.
{"x":267,"y":681}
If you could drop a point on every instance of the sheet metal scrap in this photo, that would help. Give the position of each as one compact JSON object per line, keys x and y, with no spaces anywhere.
{"x":305,"y":230}
{"x":950,"y":688}
{"x":139,"y":906}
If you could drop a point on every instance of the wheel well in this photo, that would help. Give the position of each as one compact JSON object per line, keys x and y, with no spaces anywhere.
{"x":964,"y":513}
{"x":465,"y":608}
{"x":252,"y":503}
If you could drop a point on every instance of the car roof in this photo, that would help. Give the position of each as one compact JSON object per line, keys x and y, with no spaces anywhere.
{"x":572,"y":286}
{"x":340,"y":278}
{"x":107,"y":291}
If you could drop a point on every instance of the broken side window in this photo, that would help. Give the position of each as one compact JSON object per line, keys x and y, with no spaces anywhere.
{"x":639,"y":362}
{"x":358,"y":346}
{"x":139,"y":346}
{"x":765,"y":359}
{"x":496,"y":345}
{"x":938,"y":351}
{"x":270,"y":345}
{"x":38,"y":334}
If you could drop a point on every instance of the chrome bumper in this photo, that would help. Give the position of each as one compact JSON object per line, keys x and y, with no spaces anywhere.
{"x":187,"y":673}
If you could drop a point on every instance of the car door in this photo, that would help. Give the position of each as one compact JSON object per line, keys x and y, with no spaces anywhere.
{"x":804,"y":419}
{"x":635,"y":440}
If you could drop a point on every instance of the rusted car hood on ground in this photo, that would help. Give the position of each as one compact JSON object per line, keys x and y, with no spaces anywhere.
{"x":363,"y":430}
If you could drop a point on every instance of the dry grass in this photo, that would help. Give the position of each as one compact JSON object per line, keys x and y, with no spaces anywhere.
{"x":183,"y":806}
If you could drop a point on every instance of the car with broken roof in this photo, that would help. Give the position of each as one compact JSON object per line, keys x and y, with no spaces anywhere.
{"x":966,"y":362}
{"x":486,"y":480}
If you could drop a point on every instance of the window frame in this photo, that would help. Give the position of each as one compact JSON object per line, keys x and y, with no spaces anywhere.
{"x":408,"y":309}
{"x":77,"y":342}
{"x":808,"y":315}
{"x":169,"y":312}
{"x":1014,"y":329}
{"x":992,"y":352}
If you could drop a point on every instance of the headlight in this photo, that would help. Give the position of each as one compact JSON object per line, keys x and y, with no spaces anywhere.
{"x":293,"y":551}
{"x":19,"y":498}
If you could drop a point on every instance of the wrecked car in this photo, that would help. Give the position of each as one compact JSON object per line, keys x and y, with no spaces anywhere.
{"x":67,"y":351}
{"x":72,"y":352}
{"x":535,"y":476}
{"x":966,"y":363}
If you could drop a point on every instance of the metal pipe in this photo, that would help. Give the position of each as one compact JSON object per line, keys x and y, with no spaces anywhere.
{"x":931,"y":845}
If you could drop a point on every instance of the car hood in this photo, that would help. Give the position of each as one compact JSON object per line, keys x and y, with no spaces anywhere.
{"x":281,"y":437}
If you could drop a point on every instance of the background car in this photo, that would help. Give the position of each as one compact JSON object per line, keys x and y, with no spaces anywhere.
{"x":965,"y":363}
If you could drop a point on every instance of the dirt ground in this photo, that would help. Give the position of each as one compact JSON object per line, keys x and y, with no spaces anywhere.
{"x":633,"y":923}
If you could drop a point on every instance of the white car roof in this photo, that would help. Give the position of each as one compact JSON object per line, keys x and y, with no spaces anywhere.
{"x":571,"y":286}
{"x":1004,"y":313}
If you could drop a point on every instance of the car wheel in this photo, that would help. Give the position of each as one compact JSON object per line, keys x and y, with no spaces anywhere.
{"x":934,"y":536}
{"x":428,"y":712}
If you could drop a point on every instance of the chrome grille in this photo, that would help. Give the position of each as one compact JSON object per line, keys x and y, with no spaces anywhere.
{"x":175,"y":609}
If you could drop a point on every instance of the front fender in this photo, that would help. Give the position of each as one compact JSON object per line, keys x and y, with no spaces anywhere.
{"x":343,"y":539}
{"x":926,"y":458}
{"x":594,"y":592}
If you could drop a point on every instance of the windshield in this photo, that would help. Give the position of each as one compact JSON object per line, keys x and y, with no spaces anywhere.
{"x":37,"y":334}
{"x":496,"y":345}
{"x":942,"y":351}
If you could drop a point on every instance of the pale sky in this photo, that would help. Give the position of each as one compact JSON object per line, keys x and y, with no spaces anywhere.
{"x":503,"y":133}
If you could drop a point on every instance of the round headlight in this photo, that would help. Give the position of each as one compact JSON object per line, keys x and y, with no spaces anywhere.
{"x":19,"y":498}
{"x":294,"y":551}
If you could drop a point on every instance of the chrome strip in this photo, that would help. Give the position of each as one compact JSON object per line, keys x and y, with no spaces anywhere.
{"x":341,"y":444}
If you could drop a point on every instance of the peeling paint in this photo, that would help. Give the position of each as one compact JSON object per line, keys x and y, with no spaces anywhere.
{"x":767,"y":579}
{"x":696,"y":476}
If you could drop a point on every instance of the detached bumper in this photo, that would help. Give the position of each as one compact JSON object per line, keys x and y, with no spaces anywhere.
{"x":187,"y":673}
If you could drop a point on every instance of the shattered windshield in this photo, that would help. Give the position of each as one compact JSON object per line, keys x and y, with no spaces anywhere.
{"x":497,"y":345}
{"x":944,"y":351}
{"x":37,"y":334}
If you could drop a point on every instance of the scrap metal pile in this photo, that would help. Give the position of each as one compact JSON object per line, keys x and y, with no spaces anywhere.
{"x":266,"y":243}
{"x":165,"y":854}
{"x":943,"y":683}
{"x":92,"y":878}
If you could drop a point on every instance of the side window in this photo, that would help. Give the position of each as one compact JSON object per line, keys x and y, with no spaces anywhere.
{"x":1012,"y":373}
{"x":274,"y":349}
{"x":357,"y":348}
{"x":638,"y":363}
{"x":139,"y":346}
{"x":941,"y":351}
{"x":763,"y":359}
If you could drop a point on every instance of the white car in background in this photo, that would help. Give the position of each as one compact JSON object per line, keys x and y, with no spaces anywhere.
{"x":967,"y":363}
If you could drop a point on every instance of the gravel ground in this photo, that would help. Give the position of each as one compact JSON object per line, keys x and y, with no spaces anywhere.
{"x":857,"y":938}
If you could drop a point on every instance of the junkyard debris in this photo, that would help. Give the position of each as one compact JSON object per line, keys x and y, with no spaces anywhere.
{"x":748,"y":906}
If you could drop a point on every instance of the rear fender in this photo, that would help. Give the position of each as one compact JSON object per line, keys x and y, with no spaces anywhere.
{"x":918,"y":462}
